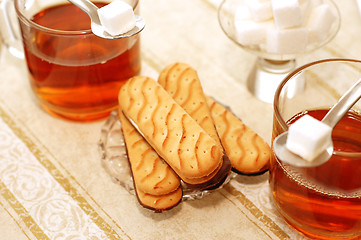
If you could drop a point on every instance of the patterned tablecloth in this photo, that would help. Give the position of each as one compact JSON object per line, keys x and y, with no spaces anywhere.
{"x":52,"y":183}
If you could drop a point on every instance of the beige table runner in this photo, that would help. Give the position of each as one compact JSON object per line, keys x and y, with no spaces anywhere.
{"x":52,"y":184}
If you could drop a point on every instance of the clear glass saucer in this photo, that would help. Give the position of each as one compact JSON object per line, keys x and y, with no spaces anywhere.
{"x":115,"y":161}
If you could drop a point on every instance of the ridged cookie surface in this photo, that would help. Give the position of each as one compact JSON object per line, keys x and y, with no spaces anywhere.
{"x":181,"y":81}
{"x":160,"y":202}
{"x":247,"y":151}
{"x":172,"y":133}
{"x":150,"y":173}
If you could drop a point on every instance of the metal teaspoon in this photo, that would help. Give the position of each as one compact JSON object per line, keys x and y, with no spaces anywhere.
{"x":97,"y":28}
{"x":333,"y":116}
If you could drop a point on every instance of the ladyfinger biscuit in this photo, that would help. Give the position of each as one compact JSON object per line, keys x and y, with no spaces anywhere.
{"x":172,"y":133}
{"x":151,"y":174}
{"x":181,"y":81}
{"x":247,"y":151}
{"x":195,"y":181}
{"x":161,"y":202}
{"x":217,"y":179}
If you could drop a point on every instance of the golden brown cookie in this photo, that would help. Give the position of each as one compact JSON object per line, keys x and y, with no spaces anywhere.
{"x":172,"y":133}
{"x":181,"y":81}
{"x":150,"y":173}
{"x":160,"y":202}
{"x":247,"y":151}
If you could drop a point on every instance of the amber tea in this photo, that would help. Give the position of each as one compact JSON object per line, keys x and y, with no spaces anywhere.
{"x":323,"y":202}
{"x":77,"y":75}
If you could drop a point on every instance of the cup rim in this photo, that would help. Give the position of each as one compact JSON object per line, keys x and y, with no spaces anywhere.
{"x":55,"y":31}
{"x":276,"y":101}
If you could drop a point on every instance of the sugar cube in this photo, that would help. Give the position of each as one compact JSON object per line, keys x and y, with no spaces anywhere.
{"x":320,"y":22}
{"x":308,"y":137}
{"x":286,"y":13}
{"x":249,"y":32}
{"x":315,"y":3}
{"x":260,"y":10}
{"x":117,"y":17}
{"x":305,"y":6}
{"x":287,"y":41}
{"x":242,"y":13}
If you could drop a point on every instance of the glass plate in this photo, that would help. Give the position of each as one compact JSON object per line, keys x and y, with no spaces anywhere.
{"x":114,"y":159}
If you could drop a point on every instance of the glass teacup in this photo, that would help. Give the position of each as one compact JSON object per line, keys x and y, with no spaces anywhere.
{"x":320,"y":202}
{"x":73,"y":73}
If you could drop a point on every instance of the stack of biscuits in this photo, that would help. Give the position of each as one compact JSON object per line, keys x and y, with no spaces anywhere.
{"x":175,"y":133}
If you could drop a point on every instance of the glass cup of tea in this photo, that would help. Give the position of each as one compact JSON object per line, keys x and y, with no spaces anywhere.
{"x":74,"y":74}
{"x":321,"y":202}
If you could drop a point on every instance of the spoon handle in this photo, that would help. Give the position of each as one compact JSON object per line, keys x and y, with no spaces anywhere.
{"x":343,"y":105}
{"x":86,"y":6}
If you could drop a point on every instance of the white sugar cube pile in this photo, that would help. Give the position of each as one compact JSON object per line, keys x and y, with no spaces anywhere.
{"x":319,"y":22}
{"x":283,"y":26}
{"x":260,"y":10}
{"x":286,"y":41}
{"x":286,"y":13}
{"x":117,"y":17}
{"x":250,"y":32}
{"x":308,"y":137}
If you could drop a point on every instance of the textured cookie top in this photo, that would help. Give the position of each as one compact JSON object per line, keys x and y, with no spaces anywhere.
{"x":247,"y":151}
{"x":150,"y":173}
{"x":160,"y":202}
{"x":176,"y":137}
{"x":181,"y":81}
